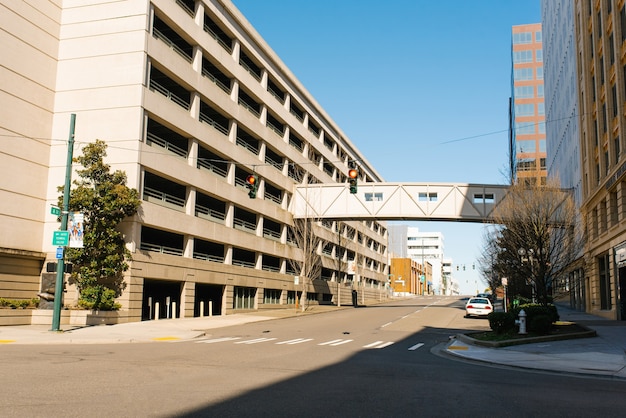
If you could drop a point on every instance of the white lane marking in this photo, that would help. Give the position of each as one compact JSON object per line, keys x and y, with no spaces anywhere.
{"x":415,"y":347}
{"x":218,"y":340}
{"x":388,"y":323}
{"x":255,"y":341}
{"x":336,"y":342}
{"x":296,"y":341}
{"x":379,"y":344}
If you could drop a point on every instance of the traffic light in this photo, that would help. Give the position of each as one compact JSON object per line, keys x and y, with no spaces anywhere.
{"x":252,"y":182}
{"x":353,"y":174}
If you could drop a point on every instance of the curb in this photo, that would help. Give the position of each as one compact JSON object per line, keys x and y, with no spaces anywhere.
{"x":588,"y":333}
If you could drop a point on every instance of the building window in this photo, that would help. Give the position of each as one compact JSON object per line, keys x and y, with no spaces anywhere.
{"x":538,"y":36}
{"x":525,"y":146}
{"x":522,"y":56}
{"x":427,"y":197}
{"x":605,"y":282}
{"x":616,"y":149}
{"x":524,"y":128}
{"x":271,"y":296}
{"x":539,"y":55}
{"x":527,"y":109}
{"x":244,"y":297}
{"x":540,"y":90}
{"x":522,"y":74}
{"x":526,"y":92}
{"x":522,"y":38}
{"x":540,"y":73}
{"x":373,"y":197}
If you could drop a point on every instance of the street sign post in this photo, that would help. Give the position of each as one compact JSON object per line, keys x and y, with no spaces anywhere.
{"x":55,"y":211}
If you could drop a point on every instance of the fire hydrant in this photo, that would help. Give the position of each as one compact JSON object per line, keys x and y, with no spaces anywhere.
{"x":521,"y":322}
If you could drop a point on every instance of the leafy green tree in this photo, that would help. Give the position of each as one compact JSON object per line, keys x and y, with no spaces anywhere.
{"x":105,"y":201}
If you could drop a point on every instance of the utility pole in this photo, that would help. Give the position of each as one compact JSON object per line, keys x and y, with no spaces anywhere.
{"x":58,"y":289}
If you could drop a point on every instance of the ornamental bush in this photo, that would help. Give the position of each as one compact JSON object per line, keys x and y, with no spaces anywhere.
{"x":501,"y":322}
{"x":541,"y":324}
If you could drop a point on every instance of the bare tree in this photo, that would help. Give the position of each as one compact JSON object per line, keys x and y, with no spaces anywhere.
{"x":488,"y":261}
{"x":540,"y":235}
{"x":309,"y":265}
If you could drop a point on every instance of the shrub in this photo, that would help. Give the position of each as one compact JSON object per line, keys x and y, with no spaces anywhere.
{"x":98,"y":298}
{"x":501,"y":322}
{"x":19,"y":303}
{"x":534,"y":309}
{"x":541,"y":324}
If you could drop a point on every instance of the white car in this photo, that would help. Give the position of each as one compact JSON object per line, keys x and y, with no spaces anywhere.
{"x":478,"y":307}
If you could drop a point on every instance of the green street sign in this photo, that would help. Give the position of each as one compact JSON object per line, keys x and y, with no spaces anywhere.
{"x":60,"y":238}
{"x":55,"y":211}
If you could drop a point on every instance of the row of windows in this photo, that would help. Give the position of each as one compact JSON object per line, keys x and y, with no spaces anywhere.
{"x":530,"y":128}
{"x":526,"y":37}
{"x":528,"y":92}
{"x":526,"y":56}
{"x":529,"y":109}
{"x":526,"y":74}
{"x":530,"y":146}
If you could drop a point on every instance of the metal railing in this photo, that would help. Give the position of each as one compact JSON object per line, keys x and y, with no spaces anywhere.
{"x":213,"y":168}
{"x":159,"y":35}
{"x":268,"y":233}
{"x":208,"y":257}
{"x":250,"y":70}
{"x":274,"y":128}
{"x":242,"y":263}
{"x":159,"y":197}
{"x":154,"y":86}
{"x":243,"y":143}
{"x":250,"y":109}
{"x":161,"y":249}
{"x":223,"y":44}
{"x":163,"y":143}
{"x":244,"y":225}
{"x":210,"y":214}
{"x":215,"y":80}
{"x":206,"y":119}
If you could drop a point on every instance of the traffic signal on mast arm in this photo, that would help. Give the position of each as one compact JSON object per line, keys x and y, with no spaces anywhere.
{"x":252,"y":183}
{"x":353,"y":175}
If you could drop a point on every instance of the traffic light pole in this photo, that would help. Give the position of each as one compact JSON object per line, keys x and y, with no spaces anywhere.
{"x":58,"y":289}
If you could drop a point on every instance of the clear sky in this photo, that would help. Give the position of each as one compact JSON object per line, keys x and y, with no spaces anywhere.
{"x":421,"y":87}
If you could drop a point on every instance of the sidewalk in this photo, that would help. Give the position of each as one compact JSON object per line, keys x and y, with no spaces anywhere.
{"x":144,"y":331}
{"x":604,"y":355}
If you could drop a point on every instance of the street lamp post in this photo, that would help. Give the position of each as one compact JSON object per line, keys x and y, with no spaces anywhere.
{"x":531,"y":259}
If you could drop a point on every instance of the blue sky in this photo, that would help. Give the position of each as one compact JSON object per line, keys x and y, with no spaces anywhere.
{"x":420,"y":87}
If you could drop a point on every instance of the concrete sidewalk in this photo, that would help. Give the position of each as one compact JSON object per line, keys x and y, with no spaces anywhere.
{"x":144,"y":331}
{"x":604,"y":355}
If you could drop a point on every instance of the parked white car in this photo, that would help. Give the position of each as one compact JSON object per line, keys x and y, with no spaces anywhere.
{"x":478,"y":307}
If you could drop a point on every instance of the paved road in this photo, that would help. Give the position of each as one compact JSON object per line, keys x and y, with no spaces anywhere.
{"x":369,"y":362}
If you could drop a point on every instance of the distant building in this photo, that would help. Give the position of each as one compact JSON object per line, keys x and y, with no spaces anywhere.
{"x":527,"y":111}
{"x":422,"y":247}
{"x":562,"y":116}
{"x":405,"y":276}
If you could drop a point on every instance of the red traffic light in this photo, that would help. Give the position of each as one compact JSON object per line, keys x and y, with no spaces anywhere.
{"x":251,"y":180}
{"x":353,"y":173}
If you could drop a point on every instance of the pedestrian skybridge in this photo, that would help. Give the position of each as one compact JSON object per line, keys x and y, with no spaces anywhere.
{"x":399,"y":201}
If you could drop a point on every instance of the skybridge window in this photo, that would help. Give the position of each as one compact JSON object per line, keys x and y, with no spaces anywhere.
{"x":484,"y":198}
{"x":373,"y":197}
{"x":427,"y":197}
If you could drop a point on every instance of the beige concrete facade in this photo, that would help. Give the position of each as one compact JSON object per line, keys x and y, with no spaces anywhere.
{"x":190,"y":100}
{"x":601,"y":45}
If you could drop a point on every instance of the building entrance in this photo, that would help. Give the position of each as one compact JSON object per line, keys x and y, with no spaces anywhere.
{"x":161,"y":299}
{"x":208,"y":300}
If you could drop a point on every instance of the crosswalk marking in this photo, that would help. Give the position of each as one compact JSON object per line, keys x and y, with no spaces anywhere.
{"x":335,"y":343}
{"x":296,"y":341}
{"x":219,"y":340}
{"x":379,"y":344}
{"x":255,"y":341}
{"x":332,"y":343}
